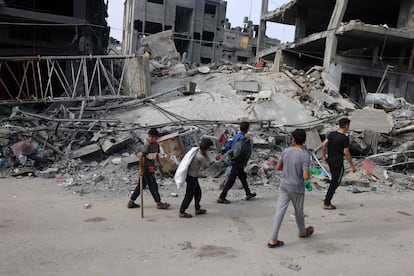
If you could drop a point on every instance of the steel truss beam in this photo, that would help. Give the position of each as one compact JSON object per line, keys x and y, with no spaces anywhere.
{"x":64,"y":78}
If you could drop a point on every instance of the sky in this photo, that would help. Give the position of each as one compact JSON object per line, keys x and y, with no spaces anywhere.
{"x":236,"y":10}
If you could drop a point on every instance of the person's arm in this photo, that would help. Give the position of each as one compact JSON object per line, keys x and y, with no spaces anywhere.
{"x":324,"y":144}
{"x":306,"y":175}
{"x":279,"y":166}
{"x":348,"y":157}
{"x":228,"y":146}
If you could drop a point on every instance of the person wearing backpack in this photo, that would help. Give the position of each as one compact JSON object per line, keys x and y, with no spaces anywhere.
{"x":239,"y":159}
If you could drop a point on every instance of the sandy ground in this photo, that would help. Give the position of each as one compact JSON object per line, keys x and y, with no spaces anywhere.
{"x":45,"y":231}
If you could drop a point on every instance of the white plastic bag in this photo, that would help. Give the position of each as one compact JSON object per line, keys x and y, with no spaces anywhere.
{"x":181,"y":172}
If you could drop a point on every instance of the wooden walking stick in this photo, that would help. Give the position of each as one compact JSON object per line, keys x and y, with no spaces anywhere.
{"x":141,"y":185}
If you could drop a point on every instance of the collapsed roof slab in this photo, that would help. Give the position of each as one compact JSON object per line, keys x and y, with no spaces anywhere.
{"x":379,"y":13}
{"x":361,"y":31}
{"x":287,"y":111}
{"x":357,"y":31}
{"x":316,"y":12}
{"x":373,"y":119}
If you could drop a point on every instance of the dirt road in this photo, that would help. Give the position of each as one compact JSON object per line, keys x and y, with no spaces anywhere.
{"x":45,"y":231}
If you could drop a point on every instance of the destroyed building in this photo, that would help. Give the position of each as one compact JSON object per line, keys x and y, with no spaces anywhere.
{"x":364,"y":46}
{"x":43,"y":48}
{"x":197,"y":26}
{"x":240,"y":43}
{"x":69,"y":27}
{"x":90,"y":137}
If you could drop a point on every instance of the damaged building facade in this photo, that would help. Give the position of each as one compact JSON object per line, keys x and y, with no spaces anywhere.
{"x":58,"y":52}
{"x":364,"y":46}
{"x":197,"y":26}
{"x":67,"y":27}
{"x":43,"y":48}
{"x":240,"y":43}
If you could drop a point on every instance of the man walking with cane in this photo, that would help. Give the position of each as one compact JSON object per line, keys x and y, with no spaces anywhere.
{"x":148,"y":156}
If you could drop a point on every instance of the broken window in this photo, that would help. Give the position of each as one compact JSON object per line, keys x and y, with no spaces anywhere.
{"x":242,"y":59}
{"x":352,"y":87}
{"x":183,"y":19}
{"x":197,"y":36}
{"x":182,"y":43}
{"x":161,"y":2}
{"x":210,"y":9}
{"x":208,"y":36}
{"x":63,"y":7}
{"x":409,"y":92}
{"x":254,"y":49}
{"x":370,"y":12}
{"x":138,"y":25}
{"x":153,"y":27}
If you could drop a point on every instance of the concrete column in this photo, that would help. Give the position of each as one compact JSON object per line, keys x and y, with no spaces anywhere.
{"x":300,"y":30}
{"x":277,"y":63}
{"x":338,"y":14}
{"x":138,"y":77}
{"x":262,"y":26}
{"x":331,"y":40}
{"x":404,"y":15}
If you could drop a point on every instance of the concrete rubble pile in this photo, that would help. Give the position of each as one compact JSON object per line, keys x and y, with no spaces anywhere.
{"x":98,"y":153}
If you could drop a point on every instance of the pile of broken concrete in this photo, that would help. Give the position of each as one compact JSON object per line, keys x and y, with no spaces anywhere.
{"x":94,"y":149}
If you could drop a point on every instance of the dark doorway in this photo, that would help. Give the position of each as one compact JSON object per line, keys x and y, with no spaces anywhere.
{"x":183,"y":27}
{"x":351,"y":86}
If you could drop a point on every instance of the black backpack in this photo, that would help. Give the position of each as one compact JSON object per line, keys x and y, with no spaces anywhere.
{"x":240,"y":152}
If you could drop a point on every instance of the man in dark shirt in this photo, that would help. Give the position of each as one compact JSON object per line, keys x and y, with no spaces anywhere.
{"x":338,"y":146}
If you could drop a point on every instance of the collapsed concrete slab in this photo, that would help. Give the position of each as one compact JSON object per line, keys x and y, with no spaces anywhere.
{"x":86,"y":151}
{"x":246,"y":86}
{"x":161,"y":45}
{"x":373,"y":119}
{"x":285,"y":109}
{"x":130,"y":161}
{"x":313,"y":141}
{"x":339,"y":104}
{"x":114,"y":144}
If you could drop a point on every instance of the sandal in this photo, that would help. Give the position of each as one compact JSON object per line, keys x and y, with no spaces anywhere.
{"x":200,"y":212}
{"x":308,"y":231}
{"x":184,"y":215}
{"x":329,"y":207}
{"x":274,"y":245}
